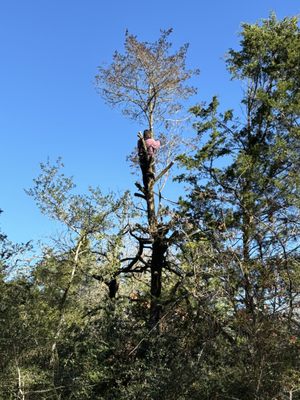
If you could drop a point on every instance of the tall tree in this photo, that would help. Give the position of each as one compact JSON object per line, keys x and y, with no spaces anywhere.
{"x":148,"y":83}
{"x":244,"y":197}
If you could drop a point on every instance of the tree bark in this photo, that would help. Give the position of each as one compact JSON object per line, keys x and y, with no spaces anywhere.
{"x":157,"y":233}
{"x":157,"y":262}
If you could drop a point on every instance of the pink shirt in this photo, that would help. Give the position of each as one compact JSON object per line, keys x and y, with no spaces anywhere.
{"x":152,"y":145}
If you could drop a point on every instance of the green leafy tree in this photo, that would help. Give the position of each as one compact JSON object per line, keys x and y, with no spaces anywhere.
{"x":244,"y":202}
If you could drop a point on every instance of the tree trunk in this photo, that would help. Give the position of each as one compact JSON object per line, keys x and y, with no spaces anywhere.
{"x":157,"y":262}
{"x":158,"y":235}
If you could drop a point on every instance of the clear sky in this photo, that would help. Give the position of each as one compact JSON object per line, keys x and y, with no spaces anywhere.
{"x":50,"y":50}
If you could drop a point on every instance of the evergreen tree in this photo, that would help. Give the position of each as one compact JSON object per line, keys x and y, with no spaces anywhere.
{"x":244,"y":202}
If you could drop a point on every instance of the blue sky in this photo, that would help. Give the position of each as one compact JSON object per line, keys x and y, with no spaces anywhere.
{"x":50,"y":50}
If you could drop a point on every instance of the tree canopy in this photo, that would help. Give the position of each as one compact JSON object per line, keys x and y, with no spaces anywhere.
{"x":147,"y":82}
{"x":144,"y":297}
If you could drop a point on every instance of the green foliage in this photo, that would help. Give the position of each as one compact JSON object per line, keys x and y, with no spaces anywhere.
{"x":229,"y":322}
{"x":243,"y":194}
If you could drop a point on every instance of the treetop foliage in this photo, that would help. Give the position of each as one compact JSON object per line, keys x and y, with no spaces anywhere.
{"x":147,"y":81}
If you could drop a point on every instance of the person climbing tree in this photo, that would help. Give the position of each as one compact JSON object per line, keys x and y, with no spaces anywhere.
{"x":149,"y":83}
{"x":147,"y":145}
{"x":151,"y":144}
{"x":146,"y":150}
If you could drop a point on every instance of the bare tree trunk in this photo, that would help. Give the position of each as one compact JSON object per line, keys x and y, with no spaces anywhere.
{"x":157,"y":262}
{"x":63,"y":303}
{"x":158,"y":235}
{"x":21,"y":394}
